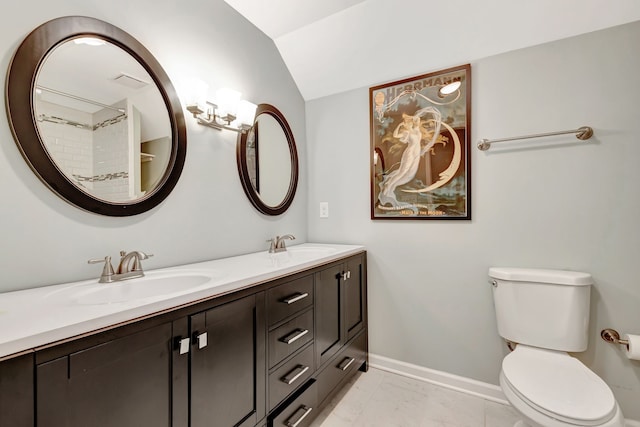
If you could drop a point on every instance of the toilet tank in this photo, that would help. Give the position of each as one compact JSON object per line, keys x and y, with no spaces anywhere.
{"x":542,"y":308}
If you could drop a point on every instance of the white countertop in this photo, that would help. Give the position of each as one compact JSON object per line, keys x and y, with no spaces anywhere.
{"x":36,"y":317}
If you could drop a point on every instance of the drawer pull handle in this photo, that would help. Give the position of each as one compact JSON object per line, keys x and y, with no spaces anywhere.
{"x":295,"y":298}
{"x":344,"y":366}
{"x":307,"y":410}
{"x":296,"y":373}
{"x":294,"y":336}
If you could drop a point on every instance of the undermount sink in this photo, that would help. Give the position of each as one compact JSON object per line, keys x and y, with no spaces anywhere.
{"x":154,"y":284}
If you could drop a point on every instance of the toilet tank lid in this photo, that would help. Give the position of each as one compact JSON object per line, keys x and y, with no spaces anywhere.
{"x":560,"y":277}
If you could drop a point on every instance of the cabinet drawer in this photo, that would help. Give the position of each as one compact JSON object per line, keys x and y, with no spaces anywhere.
{"x":288,"y":377}
{"x":343,"y":365}
{"x":300,"y":412}
{"x":289,"y":298}
{"x":289,"y":337}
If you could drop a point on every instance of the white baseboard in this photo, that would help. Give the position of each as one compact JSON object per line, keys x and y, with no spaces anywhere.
{"x":466,"y":385}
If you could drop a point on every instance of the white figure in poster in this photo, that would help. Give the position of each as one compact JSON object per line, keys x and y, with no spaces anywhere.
{"x":411,"y":132}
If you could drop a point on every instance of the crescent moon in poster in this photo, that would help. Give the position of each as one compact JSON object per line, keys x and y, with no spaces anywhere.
{"x":448,"y":173}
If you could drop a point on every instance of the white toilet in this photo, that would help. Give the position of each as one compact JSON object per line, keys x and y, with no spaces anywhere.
{"x":546,"y":314}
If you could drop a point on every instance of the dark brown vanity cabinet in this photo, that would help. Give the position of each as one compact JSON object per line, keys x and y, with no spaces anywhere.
{"x":271,"y":354}
{"x":195,"y":371}
{"x":340,"y":291}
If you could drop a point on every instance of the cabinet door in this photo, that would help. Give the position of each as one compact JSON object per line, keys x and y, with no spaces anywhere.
{"x":16,"y":392}
{"x":328,"y":320}
{"x":227,"y":381}
{"x":354,"y":306}
{"x":125,"y":382}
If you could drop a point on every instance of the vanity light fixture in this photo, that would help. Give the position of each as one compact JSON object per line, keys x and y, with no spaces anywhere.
{"x":231,"y":112}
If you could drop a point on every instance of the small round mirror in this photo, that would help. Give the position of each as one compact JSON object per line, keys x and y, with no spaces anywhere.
{"x":268,"y":161}
{"x":95,"y":116}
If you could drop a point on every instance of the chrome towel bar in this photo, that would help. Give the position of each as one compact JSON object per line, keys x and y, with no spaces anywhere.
{"x":583,"y":133}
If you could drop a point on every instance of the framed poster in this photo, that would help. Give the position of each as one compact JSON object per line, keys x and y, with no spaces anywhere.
{"x":420,"y":146}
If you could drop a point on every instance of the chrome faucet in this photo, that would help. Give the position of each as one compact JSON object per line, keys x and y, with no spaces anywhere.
{"x":277,"y":243}
{"x":128,"y":268}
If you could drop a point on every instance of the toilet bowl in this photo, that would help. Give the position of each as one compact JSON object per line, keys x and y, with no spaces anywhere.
{"x":553,"y":389}
{"x":546,"y":312}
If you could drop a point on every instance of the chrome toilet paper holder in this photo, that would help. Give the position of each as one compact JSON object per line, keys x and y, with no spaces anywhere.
{"x":612,"y":336}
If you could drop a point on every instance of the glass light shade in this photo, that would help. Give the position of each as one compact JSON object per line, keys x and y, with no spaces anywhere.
{"x":195,"y":93}
{"x":227,"y":101}
{"x":246,"y":113}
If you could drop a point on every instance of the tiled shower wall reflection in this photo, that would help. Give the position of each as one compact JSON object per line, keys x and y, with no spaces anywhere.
{"x":86,"y":156}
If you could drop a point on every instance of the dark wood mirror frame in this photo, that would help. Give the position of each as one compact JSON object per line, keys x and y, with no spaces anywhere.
{"x":21,"y":79}
{"x":241,"y":156}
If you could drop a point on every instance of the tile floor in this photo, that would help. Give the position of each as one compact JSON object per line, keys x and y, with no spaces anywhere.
{"x":382,"y":399}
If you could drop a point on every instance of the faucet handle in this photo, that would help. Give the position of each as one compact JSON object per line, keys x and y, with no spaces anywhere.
{"x":272,"y":244}
{"x":107,"y":271}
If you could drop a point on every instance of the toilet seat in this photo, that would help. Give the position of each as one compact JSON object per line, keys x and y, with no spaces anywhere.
{"x":559,"y":386}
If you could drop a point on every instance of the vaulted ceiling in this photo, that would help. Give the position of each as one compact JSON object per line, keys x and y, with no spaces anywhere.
{"x":332,"y":46}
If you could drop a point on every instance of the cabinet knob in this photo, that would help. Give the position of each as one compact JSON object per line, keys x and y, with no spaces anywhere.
{"x":182,"y":344}
{"x":200,"y":339}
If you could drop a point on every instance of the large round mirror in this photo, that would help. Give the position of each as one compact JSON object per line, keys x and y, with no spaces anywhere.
{"x":268,"y":161}
{"x":95,"y":116}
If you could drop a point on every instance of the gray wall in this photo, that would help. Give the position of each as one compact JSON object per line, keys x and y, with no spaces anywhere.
{"x":45,"y":240}
{"x":551,"y":204}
